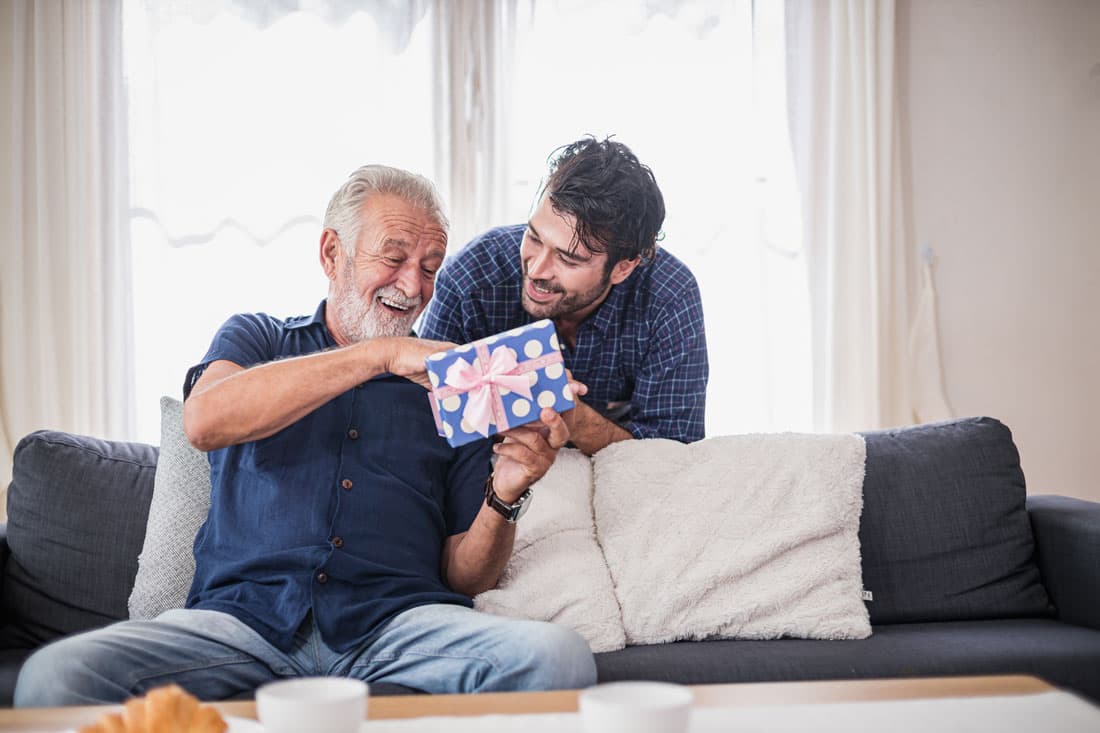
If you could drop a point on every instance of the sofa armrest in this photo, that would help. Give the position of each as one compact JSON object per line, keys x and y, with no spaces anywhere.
{"x":1067,"y":543}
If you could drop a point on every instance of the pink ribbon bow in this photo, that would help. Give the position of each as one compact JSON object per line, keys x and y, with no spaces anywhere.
{"x":482,"y":385}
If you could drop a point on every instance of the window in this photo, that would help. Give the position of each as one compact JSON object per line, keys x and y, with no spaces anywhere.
{"x":241,"y":127}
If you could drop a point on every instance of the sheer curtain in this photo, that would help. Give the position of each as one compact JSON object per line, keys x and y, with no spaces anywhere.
{"x":65,"y":337}
{"x":875,"y":352}
{"x":236,"y":149}
{"x":696,"y":88}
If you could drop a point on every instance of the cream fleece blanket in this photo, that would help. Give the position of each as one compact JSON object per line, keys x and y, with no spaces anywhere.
{"x":750,"y":536}
{"x":557,"y":572}
{"x":745,"y":536}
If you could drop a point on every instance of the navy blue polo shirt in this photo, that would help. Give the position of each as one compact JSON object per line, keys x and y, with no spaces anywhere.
{"x":344,"y":513}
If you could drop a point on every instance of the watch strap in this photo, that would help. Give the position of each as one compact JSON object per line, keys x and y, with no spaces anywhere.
{"x":510,"y":512}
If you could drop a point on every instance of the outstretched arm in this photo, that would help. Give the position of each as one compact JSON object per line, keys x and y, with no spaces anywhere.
{"x":230,"y":404}
{"x":590,"y":431}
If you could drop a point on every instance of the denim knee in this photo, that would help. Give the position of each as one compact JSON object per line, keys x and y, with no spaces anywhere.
{"x":61,"y":674}
{"x":556,"y":658}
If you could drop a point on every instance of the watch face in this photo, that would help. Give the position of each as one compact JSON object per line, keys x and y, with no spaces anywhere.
{"x":524,"y":502}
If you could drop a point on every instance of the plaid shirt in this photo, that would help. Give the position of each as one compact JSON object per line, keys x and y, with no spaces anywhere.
{"x":642,"y":354}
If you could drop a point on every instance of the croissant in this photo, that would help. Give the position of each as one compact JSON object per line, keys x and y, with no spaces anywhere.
{"x":168,"y":709}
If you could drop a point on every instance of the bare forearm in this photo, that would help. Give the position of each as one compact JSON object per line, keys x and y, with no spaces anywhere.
{"x":483,"y":553}
{"x":250,"y":404}
{"x":590,"y":431}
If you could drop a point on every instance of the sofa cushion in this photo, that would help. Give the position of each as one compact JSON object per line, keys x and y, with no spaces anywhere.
{"x":181,"y":501}
{"x":945,"y":533}
{"x":1059,"y":653}
{"x":77,"y":509}
{"x":738,"y":536}
{"x":557,"y":572}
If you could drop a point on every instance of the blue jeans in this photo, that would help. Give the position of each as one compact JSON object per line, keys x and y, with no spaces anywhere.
{"x":436,"y":648}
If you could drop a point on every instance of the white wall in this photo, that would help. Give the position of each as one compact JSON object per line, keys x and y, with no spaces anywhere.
{"x":1001,"y":128}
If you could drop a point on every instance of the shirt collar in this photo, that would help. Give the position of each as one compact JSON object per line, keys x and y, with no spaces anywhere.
{"x":317,"y":320}
{"x":611,"y":308}
{"x":318,"y":317}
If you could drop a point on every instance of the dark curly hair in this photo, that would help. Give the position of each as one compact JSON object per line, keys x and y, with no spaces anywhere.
{"x":615,"y":199}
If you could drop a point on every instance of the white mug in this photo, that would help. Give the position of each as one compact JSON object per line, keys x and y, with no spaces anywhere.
{"x":636,"y":707}
{"x":329,"y":704}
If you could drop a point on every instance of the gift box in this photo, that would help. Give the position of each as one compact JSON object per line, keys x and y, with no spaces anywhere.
{"x":500,"y":382}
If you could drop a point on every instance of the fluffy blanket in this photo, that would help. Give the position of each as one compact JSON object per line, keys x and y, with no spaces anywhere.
{"x":750,"y":536}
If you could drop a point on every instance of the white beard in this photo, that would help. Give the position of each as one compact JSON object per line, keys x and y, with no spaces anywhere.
{"x":361,"y":320}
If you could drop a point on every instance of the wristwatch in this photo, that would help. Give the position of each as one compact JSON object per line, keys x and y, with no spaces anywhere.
{"x":510,"y":512}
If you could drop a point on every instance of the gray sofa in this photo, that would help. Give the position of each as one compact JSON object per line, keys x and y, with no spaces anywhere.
{"x":968,"y":575}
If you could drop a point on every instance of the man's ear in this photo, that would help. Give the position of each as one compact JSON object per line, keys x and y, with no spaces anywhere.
{"x":621,"y":270}
{"x":330,"y":250}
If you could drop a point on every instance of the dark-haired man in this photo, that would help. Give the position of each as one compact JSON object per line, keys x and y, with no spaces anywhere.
{"x":628,"y":313}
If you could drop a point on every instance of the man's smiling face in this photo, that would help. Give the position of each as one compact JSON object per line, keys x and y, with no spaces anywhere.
{"x":561,"y":277}
{"x":383,"y":287}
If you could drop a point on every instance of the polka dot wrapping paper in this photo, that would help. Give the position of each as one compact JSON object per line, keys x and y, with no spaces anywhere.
{"x":497,"y":383}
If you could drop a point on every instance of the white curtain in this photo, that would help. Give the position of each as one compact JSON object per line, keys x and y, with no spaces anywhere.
{"x":472,"y":59}
{"x":65,"y":322}
{"x":695,"y":88}
{"x":844,"y":129}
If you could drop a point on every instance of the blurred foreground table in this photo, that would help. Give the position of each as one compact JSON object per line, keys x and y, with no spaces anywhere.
{"x":731,"y":695}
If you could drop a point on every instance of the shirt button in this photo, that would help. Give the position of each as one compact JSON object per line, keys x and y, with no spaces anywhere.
{"x":353,"y":434}
{"x":322,"y":577}
{"x":337,"y":542}
{"x":346,"y":483}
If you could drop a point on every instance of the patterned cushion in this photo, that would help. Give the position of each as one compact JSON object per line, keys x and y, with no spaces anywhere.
{"x":181,"y":501}
{"x":945,"y":534}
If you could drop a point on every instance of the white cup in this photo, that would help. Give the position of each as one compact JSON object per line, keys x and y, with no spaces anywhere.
{"x":636,"y":707}
{"x":329,"y":704}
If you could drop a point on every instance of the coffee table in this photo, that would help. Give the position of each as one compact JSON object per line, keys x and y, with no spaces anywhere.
{"x":730,"y":695}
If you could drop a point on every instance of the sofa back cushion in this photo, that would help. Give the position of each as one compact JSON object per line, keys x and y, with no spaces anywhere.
{"x":77,"y":509}
{"x":945,"y":533}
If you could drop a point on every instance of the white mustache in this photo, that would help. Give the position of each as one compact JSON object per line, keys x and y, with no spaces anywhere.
{"x":391,"y":293}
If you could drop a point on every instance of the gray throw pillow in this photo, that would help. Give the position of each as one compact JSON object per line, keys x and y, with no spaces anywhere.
{"x":181,"y":501}
{"x":76,"y":518}
{"x":945,"y":532}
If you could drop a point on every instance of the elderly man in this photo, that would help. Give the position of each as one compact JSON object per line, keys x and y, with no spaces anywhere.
{"x":344,"y":536}
{"x":629,"y":314}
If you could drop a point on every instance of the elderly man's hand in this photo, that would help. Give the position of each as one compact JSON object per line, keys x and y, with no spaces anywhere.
{"x":405,"y":355}
{"x":526,"y":454}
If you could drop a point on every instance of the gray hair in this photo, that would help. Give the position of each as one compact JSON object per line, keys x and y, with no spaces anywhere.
{"x":345,"y":208}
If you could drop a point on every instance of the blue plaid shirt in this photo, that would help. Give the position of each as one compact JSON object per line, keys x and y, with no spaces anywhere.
{"x":642,"y":354}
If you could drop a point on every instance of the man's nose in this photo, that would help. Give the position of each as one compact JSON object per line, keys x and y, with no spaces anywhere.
{"x":539,"y":265}
{"x":408,"y":280}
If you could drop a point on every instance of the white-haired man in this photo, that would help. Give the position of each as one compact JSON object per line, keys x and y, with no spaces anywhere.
{"x":344,"y":536}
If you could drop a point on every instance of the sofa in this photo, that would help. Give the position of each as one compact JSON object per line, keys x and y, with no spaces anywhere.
{"x":968,"y":574}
